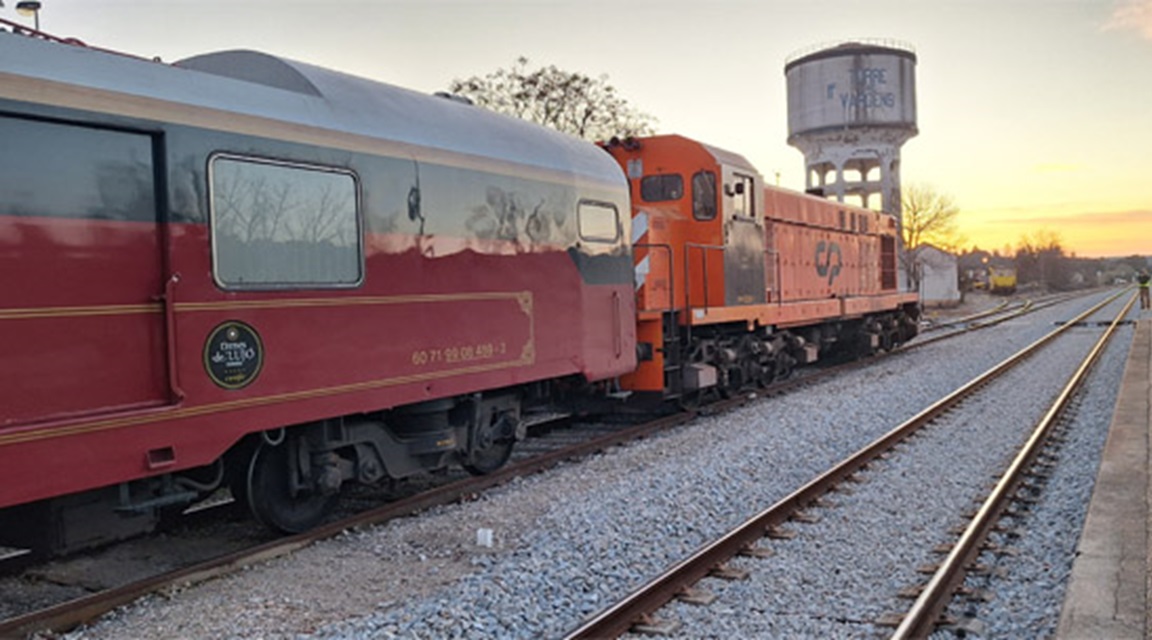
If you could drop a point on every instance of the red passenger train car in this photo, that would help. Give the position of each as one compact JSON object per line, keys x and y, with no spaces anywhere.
{"x":245,"y":271}
{"x":737,"y":282}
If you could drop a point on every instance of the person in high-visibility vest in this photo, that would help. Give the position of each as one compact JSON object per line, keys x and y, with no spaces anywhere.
{"x":1143,"y":279}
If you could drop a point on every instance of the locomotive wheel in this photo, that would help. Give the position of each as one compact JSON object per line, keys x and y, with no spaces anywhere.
{"x":269,"y":493}
{"x":784,"y":366}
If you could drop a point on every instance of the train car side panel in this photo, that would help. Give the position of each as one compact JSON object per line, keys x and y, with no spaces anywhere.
{"x":58,"y":239}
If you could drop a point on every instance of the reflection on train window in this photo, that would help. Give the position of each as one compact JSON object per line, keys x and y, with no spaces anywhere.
{"x":104,"y":175}
{"x":704,"y":195}
{"x":599,"y":222}
{"x":279,"y":225}
{"x":661,"y":188}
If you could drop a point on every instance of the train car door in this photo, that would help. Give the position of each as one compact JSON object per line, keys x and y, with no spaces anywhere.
{"x":81,"y":325}
{"x":743,"y":240}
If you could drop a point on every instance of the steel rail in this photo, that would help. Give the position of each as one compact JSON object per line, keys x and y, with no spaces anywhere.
{"x":75,"y":612}
{"x":639,"y":605}
{"x":1003,"y":306}
{"x":1027,"y":307}
{"x":922,"y":617}
{"x":978,"y":320}
{"x":68,"y":615}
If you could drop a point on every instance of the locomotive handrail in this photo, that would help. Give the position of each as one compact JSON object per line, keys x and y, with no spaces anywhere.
{"x":688,"y":272}
{"x":772,"y":256}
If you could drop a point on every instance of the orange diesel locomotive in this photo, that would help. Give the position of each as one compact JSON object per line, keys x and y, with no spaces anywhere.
{"x":737,"y":282}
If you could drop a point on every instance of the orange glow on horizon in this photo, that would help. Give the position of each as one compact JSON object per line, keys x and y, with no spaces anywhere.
{"x":1089,"y":235}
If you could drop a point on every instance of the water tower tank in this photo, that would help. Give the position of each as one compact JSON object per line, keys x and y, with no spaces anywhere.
{"x":851,"y":106}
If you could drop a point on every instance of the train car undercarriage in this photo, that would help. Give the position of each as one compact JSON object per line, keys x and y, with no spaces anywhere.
{"x":288,"y":478}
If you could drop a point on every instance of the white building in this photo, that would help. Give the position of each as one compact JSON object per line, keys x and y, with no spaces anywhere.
{"x":939,"y":276}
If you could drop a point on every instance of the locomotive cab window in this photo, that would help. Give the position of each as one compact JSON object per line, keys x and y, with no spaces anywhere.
{"x":704,"y":195}
{"x":282,"y":225}
{"x":599,"y":222}
{"x":661,"y":188}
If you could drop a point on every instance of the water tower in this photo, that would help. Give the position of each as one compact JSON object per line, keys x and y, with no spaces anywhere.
{"x":851,"y":106}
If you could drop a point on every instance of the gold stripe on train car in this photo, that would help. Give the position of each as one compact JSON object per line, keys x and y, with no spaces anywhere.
{"x":75,"y":312}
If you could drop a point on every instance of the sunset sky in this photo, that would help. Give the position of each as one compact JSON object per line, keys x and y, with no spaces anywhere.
{"x":1034,"y":115}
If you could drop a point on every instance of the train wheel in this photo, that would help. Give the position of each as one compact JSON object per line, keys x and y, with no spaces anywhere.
{"x":887,"y":340}
{"x":784,"y":366}
{"x":269,"y":493}
{"x":490,"y":459}
{"x":493,"y":446}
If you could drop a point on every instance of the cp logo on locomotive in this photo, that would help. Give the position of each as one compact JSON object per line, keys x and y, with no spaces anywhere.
{"x":826,"y":265}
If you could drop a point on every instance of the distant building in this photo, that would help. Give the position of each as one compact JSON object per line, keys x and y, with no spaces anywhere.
{"x":939,"y":277}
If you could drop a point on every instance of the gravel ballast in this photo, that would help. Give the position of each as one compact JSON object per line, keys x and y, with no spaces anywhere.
{"x":568,"y":542}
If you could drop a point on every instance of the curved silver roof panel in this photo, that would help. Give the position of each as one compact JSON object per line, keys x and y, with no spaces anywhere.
{"x":252,"y":66}
{"x":257,"y":84}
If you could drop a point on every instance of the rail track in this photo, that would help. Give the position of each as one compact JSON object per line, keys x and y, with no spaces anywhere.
{"x":926,"y":612}
{"x":71,"y":613}
{"x":638,"y":610}
{"x":1003,"y":312}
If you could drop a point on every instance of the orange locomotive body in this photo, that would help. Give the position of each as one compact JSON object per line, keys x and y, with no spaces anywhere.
{"x":738,"y":282}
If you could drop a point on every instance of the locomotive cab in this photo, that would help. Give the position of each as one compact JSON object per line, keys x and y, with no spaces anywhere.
{"x":699,"y":248}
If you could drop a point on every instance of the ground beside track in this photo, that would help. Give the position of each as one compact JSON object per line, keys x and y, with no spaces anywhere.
{"x":560,"y":538}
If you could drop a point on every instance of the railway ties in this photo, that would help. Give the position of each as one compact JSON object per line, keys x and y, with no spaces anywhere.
{"x":1033,"y":459}
{"x":746,"y":555}
{"x":995,"y":316}
{"x":644,"y":603}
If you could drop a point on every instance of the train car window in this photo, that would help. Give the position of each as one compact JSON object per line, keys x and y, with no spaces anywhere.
{"x":282,"y":225}
{"x":599,"y":222}
{"x":67,"y":171}
{"x":661,"y":188}
{"x":704,"y":195}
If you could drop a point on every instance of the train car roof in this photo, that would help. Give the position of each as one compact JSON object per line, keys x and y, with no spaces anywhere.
{"x":266,"y":86}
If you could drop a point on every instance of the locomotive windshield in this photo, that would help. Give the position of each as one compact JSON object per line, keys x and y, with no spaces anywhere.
{"x":661,"y":188}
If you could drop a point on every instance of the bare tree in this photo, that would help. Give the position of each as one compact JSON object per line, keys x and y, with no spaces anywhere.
{"x":927,"y":217}
{"x":1040,"y":258}
{"x":566,"y":101}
